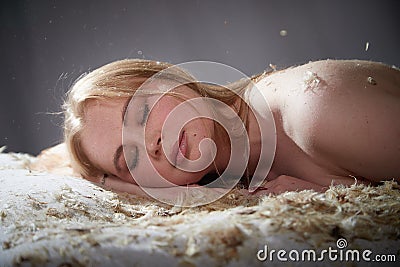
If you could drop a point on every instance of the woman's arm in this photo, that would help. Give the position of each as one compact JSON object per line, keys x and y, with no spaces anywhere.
{"x":116,"y":184}
{"x":284,"y":183}
{"x":189,"y":194}
{"x":279,"y":185}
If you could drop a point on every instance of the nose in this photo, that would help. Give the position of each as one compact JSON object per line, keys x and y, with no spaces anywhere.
{"x":153,"y":146}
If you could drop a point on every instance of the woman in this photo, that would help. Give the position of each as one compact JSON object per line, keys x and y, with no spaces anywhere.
{"x":335,"y":121}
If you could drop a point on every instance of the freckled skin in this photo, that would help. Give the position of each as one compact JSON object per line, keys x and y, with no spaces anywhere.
{"x":102,"y":136}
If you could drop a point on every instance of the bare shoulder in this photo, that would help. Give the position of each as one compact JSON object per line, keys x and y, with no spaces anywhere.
{"x":358,"y":73}
{"x":346,"y":112}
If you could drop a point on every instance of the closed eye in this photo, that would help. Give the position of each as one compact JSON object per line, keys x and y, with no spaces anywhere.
{"x":133,"y":158}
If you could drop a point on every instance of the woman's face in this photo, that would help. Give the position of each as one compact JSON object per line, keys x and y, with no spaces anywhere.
{"x":144,"y":139}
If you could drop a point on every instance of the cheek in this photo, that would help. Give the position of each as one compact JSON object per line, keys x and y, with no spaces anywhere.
{"x":201,"y":128}
{"x":160,"y":111}
{"x":197,"y":131}
{"x":100,"y":144}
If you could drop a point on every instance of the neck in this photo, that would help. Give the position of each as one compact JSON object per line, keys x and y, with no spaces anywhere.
{"x":270,"y":124}
{"x":255,"y":140}
{"x":223,"y":150}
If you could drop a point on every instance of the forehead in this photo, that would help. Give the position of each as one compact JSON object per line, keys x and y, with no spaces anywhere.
{"x":103,"y":110}
{"x":102,"y":130}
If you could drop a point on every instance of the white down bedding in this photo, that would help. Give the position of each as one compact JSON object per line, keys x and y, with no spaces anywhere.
{"x":51,"y":219}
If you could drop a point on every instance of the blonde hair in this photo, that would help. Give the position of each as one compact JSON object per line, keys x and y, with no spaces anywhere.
{"x":121,"y":79}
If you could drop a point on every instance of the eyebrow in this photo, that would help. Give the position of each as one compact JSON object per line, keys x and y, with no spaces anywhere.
{"x":125,"y":108}
{"x":117,"y":155}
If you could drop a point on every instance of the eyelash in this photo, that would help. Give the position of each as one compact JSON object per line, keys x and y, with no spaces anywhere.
{"x":135,"y":159}
{"x":146,"y":112}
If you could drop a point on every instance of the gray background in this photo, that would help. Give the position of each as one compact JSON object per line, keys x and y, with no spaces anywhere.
{"x":46,"y":45}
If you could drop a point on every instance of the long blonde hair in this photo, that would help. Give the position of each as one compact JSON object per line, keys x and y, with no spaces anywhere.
{"x":121,"y":79}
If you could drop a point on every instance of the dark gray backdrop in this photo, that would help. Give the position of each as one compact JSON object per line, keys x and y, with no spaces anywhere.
{"x":46,"y":45}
